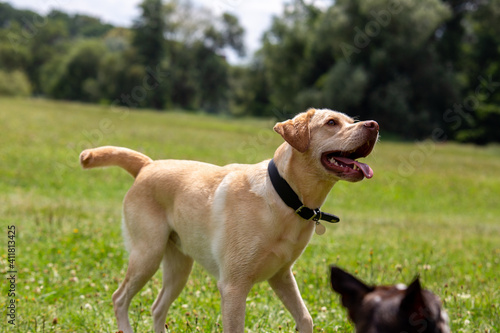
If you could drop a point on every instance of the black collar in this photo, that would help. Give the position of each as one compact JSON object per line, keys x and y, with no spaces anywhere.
{"x":287,"y":194}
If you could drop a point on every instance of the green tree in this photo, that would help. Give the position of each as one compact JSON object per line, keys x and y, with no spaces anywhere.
{"x":286,"y":55}
{"x":81,"y":25}
{"x":480,"y":117}
{"x":72,"y":76}
{"x":13,"y":56}
{"x":197,"y":42}
{"x":371,"y":58}
{"x":46,"y":44}
{"x":149,"y":42}
{"x":250,"y":90}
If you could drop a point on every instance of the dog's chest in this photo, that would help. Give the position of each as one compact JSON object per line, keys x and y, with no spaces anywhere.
{"x":281,"y":251}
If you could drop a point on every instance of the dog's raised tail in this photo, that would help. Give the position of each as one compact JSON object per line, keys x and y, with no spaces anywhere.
{"x":128,"y":159}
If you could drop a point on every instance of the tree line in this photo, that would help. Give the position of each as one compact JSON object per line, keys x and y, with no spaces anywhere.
{"x":422,"y":68}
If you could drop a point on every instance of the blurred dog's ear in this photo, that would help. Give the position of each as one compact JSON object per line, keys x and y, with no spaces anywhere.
{"x":296,"y":131}
{"x":351,"y":289}
{"x":413,"y":303}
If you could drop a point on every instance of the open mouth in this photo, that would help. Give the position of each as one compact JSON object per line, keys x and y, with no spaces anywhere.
{"x":344,"y":162}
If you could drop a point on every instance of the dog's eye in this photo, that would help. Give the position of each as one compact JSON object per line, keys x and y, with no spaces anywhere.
{"x":331,"y":122}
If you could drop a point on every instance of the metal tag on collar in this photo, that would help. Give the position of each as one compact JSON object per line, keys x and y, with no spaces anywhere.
{"x":320,"y":229}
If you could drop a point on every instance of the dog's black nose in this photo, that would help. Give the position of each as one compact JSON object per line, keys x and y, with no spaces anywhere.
{"x":371,"y":124}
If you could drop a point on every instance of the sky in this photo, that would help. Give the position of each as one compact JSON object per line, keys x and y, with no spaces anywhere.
{"x":254,"y":15}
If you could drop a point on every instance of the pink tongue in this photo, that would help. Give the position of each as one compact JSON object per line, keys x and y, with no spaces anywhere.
{"x":365,"y":168}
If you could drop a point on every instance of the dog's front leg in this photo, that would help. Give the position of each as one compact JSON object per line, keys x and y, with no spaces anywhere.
{"x":234,"y":297}
{"x":285,"y":286}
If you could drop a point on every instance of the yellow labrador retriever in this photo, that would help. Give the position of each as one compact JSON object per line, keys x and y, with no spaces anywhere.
{"x":231,"y":219}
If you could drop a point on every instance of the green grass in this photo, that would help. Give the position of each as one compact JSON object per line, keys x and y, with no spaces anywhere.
{"x":431,"y":209}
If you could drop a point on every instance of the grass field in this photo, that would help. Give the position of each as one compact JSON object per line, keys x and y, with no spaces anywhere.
{"x":431,"y":209}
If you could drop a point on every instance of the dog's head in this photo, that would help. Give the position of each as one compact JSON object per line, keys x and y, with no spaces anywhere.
{"x":389,"y":309}
{"x":333,"y":140}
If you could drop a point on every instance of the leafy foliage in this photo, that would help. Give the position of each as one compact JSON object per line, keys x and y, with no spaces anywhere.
{"x":404,"y":63}
{"x":172,"y":56}
{"x":373,"y":59}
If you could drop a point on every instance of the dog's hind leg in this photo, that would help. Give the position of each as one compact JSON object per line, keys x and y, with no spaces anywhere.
{"x":139,"y":272}
{"x":285,"y":287}
{"x":176,"y":269}
{"x":147,"y":234}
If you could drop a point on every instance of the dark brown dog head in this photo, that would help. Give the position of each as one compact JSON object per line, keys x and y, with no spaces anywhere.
{"x":389,"y":309}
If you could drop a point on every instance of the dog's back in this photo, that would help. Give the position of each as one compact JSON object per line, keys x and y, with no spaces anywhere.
{"x":389,"y":309}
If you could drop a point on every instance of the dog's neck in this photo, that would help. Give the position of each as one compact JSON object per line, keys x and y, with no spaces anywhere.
{"x":300,"y":171}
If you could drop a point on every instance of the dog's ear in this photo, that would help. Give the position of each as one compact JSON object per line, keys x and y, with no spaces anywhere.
{"x":351,"y":289}
{"x":296,"y":131}
{"x":413,"y":303}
